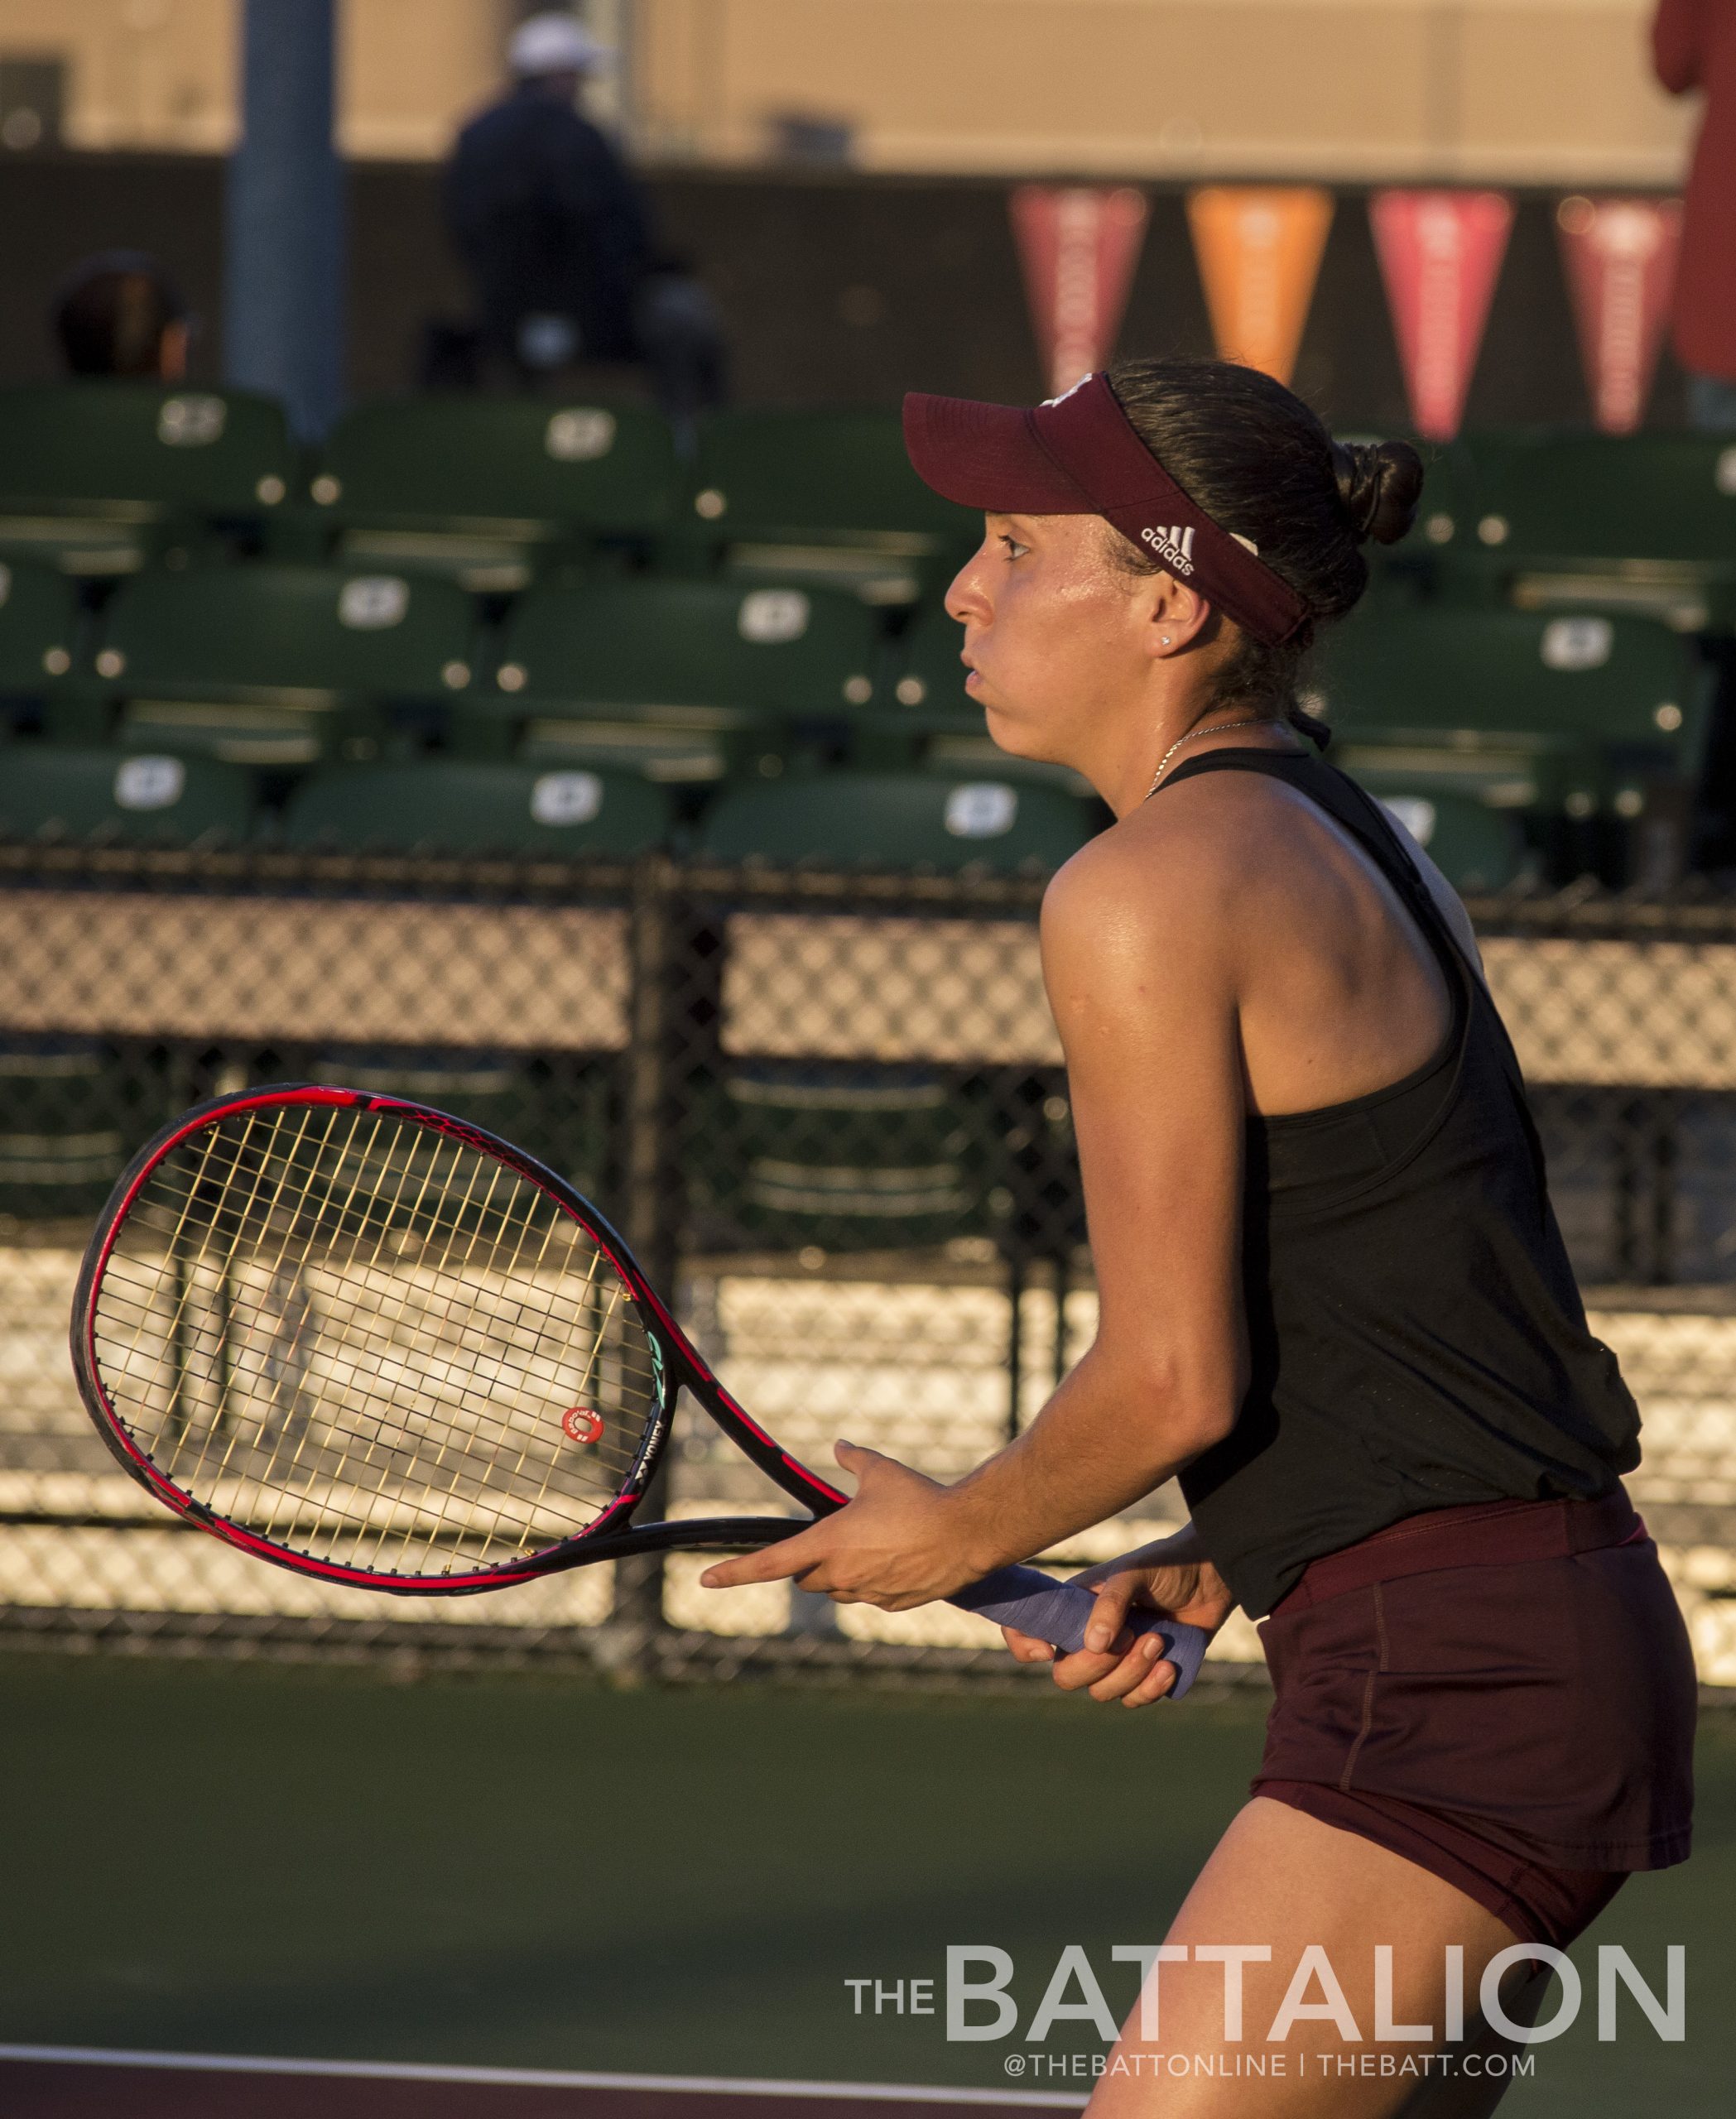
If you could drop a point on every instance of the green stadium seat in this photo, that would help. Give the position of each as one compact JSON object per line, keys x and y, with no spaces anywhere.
{"x":795,"y":1156}
{"x":448,"y":805}
{"x":1639,"y":523}
{"x":67,"y":793}
{"x":71,"y":1112}
{"x":483,"y":487}
{"x":41,"y":629}
{"x":930,"y":678}
{"x":1446,"y":512}
{"x":825,"y":495}
{"x":925,"y":717}
{"x":1474,"y":847}
{"x":679,"y":680}
{"x":276,"y":665}
{"x":556,"y":1110}
{"x":898,"y":820}
{"x":97,"y":475}
{"x":1581,"y":716}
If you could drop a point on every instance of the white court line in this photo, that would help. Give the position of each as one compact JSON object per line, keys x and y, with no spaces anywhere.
{"x":94,"y":2056}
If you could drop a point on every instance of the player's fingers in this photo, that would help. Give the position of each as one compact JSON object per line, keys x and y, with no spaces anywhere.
{"x":1082,"y":1670}
{"x":1025,"y":1646}
{"x":1158,"y":1685}
{"x":770,"y":1564}
{"x":1109,"y":1613}
{"x":1132,"y":1672}
{"x":857,"y":1460}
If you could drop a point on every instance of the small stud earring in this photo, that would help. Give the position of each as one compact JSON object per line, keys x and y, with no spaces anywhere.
{"x":1166,"y":640}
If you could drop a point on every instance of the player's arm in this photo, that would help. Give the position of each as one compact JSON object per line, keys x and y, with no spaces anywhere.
{"x":1139,"y":958}
{"x":1137,"y":951}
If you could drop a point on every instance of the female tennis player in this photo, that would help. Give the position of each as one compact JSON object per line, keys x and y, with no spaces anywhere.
{"x":1333,"y":1298}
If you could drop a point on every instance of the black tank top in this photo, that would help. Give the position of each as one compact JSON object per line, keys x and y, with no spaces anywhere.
{"x":1417,"y":1340}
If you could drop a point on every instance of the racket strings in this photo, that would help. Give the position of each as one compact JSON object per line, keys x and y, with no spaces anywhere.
{"x":359,"y":1337}
{"x":376,"y":1439}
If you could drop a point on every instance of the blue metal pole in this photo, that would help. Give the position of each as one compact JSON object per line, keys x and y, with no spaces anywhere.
{"x":283,"y":292}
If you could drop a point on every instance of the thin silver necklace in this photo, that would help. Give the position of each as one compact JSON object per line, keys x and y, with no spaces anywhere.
{"x":1211,"y":729}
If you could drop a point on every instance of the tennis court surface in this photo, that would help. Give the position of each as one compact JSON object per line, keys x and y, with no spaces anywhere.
{"x":519,"y":1896}
{"x":65,"y":2082}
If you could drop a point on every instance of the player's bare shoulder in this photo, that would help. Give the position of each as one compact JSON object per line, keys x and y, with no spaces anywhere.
{"x":1196,"y":844}
{"x":1164,"y":885}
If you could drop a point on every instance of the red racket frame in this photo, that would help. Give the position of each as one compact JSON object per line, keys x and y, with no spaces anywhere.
{"x":613,"y":1536}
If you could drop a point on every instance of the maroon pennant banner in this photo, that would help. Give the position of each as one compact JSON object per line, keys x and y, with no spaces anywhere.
{"x":1440,"y":255}
{"x":1078,"y":247}
{"x":1621,"y":257}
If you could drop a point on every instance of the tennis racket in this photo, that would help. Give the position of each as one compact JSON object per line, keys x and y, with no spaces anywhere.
{"x":373,"y":1343}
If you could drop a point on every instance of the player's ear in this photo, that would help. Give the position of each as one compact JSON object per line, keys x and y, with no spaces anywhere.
{"x":1176,"y":615}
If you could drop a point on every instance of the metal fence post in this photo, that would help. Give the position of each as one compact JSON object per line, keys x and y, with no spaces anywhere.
{"x":650,"y":1202}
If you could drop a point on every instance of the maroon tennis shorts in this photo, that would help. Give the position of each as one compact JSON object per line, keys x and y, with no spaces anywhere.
{"x":1503,"y":1694}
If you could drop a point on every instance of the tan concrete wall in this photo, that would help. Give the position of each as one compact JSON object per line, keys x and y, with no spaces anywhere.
{"x":144,"y":73}
{"x":162,"y":73}
{"x":1544,"y":91}
{"x":1520,"y":90}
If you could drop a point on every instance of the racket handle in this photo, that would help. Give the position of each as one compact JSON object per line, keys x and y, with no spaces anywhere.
{"x":1058,"y":1612}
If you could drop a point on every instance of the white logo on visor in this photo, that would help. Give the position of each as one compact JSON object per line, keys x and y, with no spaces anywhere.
{"x":1174,"y":546}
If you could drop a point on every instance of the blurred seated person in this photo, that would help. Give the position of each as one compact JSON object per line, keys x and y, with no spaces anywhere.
{"x":553,"y":231}
{"x":121,"y":315}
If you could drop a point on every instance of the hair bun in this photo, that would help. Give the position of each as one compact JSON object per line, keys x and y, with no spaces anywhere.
{"x":1380,"y":484}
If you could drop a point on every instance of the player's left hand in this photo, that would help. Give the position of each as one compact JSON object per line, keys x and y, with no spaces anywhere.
{"x":895,"y":1544}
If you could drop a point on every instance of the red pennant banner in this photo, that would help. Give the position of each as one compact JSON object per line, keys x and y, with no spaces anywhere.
{"x":1621,"y":256}
{"x":1440,"y":255}
{"x":1077,"y":247}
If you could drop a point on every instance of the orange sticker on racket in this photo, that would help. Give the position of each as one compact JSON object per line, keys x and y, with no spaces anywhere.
{"x":582,"y":1423}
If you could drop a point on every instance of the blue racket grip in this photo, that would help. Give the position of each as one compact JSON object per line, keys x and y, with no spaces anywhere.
{"x":1058,"y":1612}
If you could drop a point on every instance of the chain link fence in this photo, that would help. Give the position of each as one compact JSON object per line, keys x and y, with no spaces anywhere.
{"x":830,"y":1113}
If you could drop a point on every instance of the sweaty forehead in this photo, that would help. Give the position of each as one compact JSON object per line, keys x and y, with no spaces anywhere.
{"x":1054,"y":529}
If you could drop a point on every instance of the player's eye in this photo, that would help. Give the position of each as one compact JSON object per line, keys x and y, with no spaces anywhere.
{"x":1014,"y":549}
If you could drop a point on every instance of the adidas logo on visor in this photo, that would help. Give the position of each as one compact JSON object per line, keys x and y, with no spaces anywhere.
{"x":1174,"y":546}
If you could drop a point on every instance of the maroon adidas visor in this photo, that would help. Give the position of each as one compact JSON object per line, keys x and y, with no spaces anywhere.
{"x":1078,"y":455}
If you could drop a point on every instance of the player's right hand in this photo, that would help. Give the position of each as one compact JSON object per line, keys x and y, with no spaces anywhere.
{"x":1111,"y":1667}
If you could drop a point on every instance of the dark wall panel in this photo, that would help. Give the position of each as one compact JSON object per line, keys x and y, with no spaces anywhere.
{"x":835,"y":289}
{"x":57,"y":209}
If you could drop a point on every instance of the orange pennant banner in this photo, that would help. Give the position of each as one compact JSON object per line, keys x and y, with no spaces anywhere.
{"x":1259,"y":249}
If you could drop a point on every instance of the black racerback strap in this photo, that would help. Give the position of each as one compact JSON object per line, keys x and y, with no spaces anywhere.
{"x":1368,"y":824}
{"x":1348,"y":805}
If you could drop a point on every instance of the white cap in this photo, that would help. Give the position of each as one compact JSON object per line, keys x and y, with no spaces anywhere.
{"x":555,"y":43}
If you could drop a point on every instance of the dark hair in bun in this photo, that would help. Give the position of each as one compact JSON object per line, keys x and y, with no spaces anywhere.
{"x":1379,"y":483}
{"x":1262,"y":465}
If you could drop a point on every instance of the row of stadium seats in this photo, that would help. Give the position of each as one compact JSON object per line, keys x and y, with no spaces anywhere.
{"x":915,"y":820}
{"x":1642,"y":523}
{"x":1495,"y":726}
{"x":310,"y":638}
{"x":777,"y":1154}
{"x":279,"y":664}
{"x":98,"y":476}
{"x":926,"y":820}
{"x":1506,"y":738}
